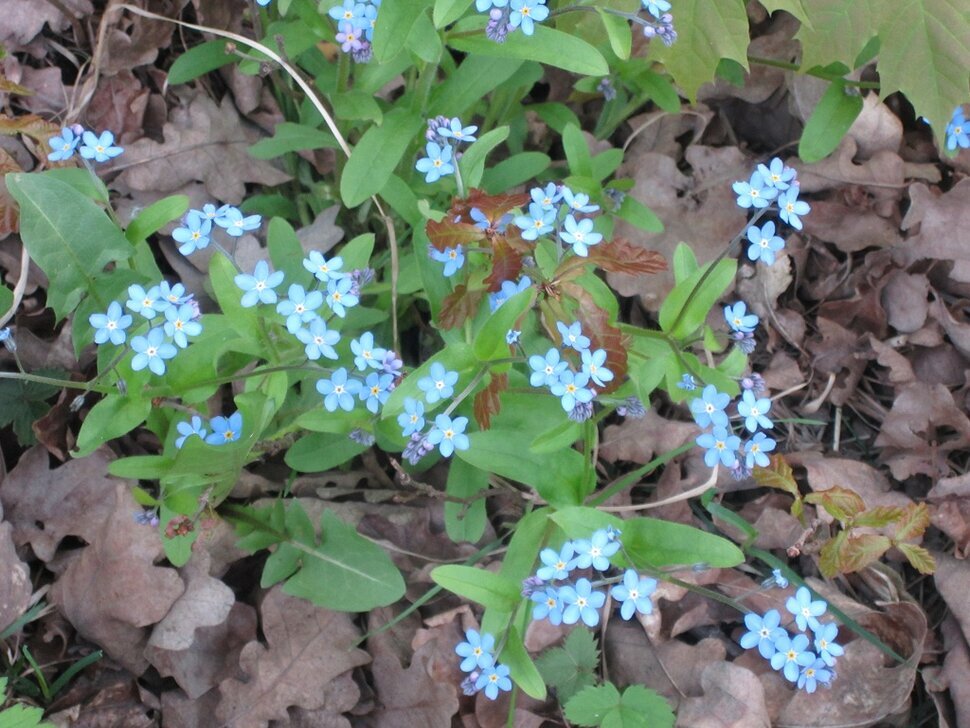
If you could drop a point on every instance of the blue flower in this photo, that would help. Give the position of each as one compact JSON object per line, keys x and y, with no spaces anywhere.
{"x":546,"y":370}
{"x":763,"y":632}
{"x":776,"y":174}
{"x":577,"y":201}
{"x":340,"y":297}
{"x":377,"y":388}
{"x":791,"y":654}
{"x":813,"y":674}
{"x":754,"y":193}
{"x":525,"y":13}
{"x":299,"y":307}
{"x":722,"y":447}
{"x":186,"y":430}
{"x":538,"y":222}
{"x":956,"y":131}
{"x":709,"y":407}
{"x":318,"y":340}
{"x":63,"y":145}
{"x":477,"y":650}
{"x":572,"y":388}
{"x":512,"y":337}
{"x":558,"y":564}
{"x":656,"y":7}
{"x":596,"y":550}
{"x":437,"y":164}
{"x":147,"y":303}
{"x":546,"y":197}
{"x":111,"y":325}
{"x":368,"y":21}
{"x":322,"y":269}
{"x":181,"y":322}
{"x":449,"y":435}
{"x":593,"y":362}
{"x":174,"y":295}
{"x":263,"y":3}
{"x":777,"y":579}
{"x":581,"y":602}
{"x":509,"y":289}
{"x":453,"y":258}
{"x":338,"y":391}
{"x":687,"y":383}
{"x":791,"y":209}
{"x":454,"y":130}
{"x":152,"y":351}
{"x":225,"y":429}
{"x":739,"y":319}
{"x":211,"y":212}
{"x":259,"y":286}
{"x":805,"y":610}
{"x":345,"y":12}
{"x":233,"y":222}
{"x":194,"y":233}
{"x":439,"y":384}
{"x":572,"y":335}
{"x":99,"y":148}
{"x":412,"y":418}
{"x":764,"y":243}
{"x":755,"y":449}
{"x":548,"y":605}
{"x":580,"y":235}
{"x":348,"y":37}
{"x":754,"y":410}
{"x":392,"y":363}
{"x":366,"y":355}
{"x":634,"y":594}
{"x":492,"y":680}
{"x":825,"y":636}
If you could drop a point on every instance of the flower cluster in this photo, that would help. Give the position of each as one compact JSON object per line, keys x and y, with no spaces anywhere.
{"x":97,"y":147}
{"x":774,"y":183}
{"x":791,"y":655}
{"x":484,"y":673}
{"x":556,"y":208}
{"x":175,"y":313}
{"x":505,"y":16}
{"x":575,"y":388}
{"x":356,"y":20}
{"x":447,"y":433}
{"x":660,"y":22}
{"x":562,"y":600}
{"x":221,"y":430}
{"x":958,"y":131}
{"x":443,"y":137}
{"x":195,"y":231}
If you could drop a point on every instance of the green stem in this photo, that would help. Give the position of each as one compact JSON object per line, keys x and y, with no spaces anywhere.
{"x":630,"y":478}
{"x":466,"y":391}
{"x":811,"y":72}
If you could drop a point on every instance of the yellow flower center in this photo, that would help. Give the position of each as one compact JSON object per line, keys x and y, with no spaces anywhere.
{"x":229,"y":435}
{"x":449,"y":434}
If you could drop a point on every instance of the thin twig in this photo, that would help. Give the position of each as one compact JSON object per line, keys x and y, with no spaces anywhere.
{"x":18,"y":290}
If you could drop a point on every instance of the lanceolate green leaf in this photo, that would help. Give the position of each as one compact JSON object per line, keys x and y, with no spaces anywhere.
{"x":394,"y":26}
{"x":485,"y":587}
{"x":547,"y":45}
{"x":68,"y":236}
{"x":650,"y":541}
{"x":376,"y":155}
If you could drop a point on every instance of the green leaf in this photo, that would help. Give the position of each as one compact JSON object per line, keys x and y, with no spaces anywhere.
{"x":546,"y":45}
{"x":21,"y":403}
{"x":829,"y":122}
{"x":491,"y":590}
{"x":424,"y":40}
{"x":619,"y":33}
{"x":685,"y":262}
{"x":590,"y":706}
{"x":700,"y":305}
{"x":474,"y":79}
{"x":659,"y":89}
{"x":353,"y":104}
{"x":918,"y":557}
{"x":530,"y":533}
{"x":154,"y":217}
{"x":654,"y":542}
{"x":713,"y":31}
{"x":6,"y":299}
{"x":357,"y":252}
{"x":516,"y":170}
{"x":457,"y":357}
{"x":199,"y":61}
{"x":490,"y":341}
{"x":320,"y":451}
{"x":556,"y":439}
{"x":21,"y":716}
{"x":68,"y":236}
{"x":795,"y":7}
{"x":841,"y":503}
{"x":448,"y":11}
{"x":112,"y":417}
{"x":465,"y":522}
{"x":472,"y":162}
{"x":377,"y":154}
{"x":346,"y":572}
{"x":394,"y":25}
{"x":521,"y":667}
{"x":285,"y":250}
{"x":639,"y":215}
{"x":572,"y":667}
{"x":581,"y":521}
{"x":290,"y":137}
{"x":577,"y":151}
{"x":638,"y":707}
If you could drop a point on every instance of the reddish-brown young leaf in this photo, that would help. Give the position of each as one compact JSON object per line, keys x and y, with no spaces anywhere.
{"x":487,"y":402}
{"x":841,"y":503}
{"x":912,"y":523}
{"x":493,"y":206}
{"x":459,"y":305}
{"x":30,"y":125}
{"x":621,"y":256}
{"x":778,"y":475}
{"x":506,"y":263}
{"x":449,"y":234}
{"x":602,"y":334}
{"x":858,"y":552}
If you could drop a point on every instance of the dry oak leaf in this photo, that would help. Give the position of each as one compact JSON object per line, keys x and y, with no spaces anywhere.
{"x":307,"y":647}
{"x":733,"y":698}
{"x":411,"y":698}
{"x":203,"y":142}
{"x":15,"y":586}
{"x":112,"y":591}
{"x":22,"y":21}
{"x":944,"y":220}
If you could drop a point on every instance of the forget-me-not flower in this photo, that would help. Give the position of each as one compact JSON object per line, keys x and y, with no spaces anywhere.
{"x":538,"y":222}
{"x":805,"y":610}
{"x":180,"y":323}
{"x":739,"y":319}
{"x":762,"y":632}
{"x":776,"y":174}
{"x":375,"y":390}
{"x":508,"y":289}
{"x":581,"y":602}
{"x":299,"y":307}
{"x":259,"y":286}
{"x":547,"y":369}
{"x":764,"y":243}
{"x":709,"y":407}
{"x":754,"y":193}
{"x":593,"y":365}
{"x":110,"y":326}
{"x":755,"y":449}
{"x":493,"y":679}
{"x":194,"y":234}
{"x":225,"y":429}
{"x":546,"y":196}
{"x":477,"y":650}
{"x":187,"y":429}
{"x":634,"y":594}
{"x":235,"y":223}
{"x":825,"y":643}
{"x":412,"y":418}
{"x":439,"y":384}
{"x":596,"y":550}
{"x":453,"y":258}
{"x":99,"y":148}
{"x":791,"y":654}
{"x":812,"y":675}
{"x":338,"y":391}
{"x":791,"y":209}
{"x":754,"y":410}
{"x":721,"y":446}
{"x":548,"y":605}
{"x":572,"y":335}
{"x":578,"y":201}
{"x":558,"y":564}
{"x":318,"y":340}
{"x":572,"y":388}
{"x":152,"y":351}
{"x":340,"y":297}
{"x":956,"y":131}
{"x":526,"y":13}
{"x":63,"y":145}
{"x":437,"y":164}
{"x":449,"y":434}
{"x":322,"y":269}
{"x":366,"y":355}
{"x":454,"y":130}
{"x":147,"y":303}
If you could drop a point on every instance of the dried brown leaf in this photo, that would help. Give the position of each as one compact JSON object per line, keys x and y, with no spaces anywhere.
{"x":621,"y":256}
{"x":733,"y":698}
{"x":9,"y":212}
{"x":492,"y":206}
{"x":22,"y":21}
{"x":602,"y":334}
{"x":506,"y":263}
{"x":449,"y":234}
{"x":411,"y":698}
{"x":15,"y":586}
{"x":488,"y":401}
{"x":459,"y":305}
{"x":306,"y":648}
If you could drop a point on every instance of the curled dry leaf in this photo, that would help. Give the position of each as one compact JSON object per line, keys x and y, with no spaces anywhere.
{"x":411,"y":698}
{"x":944,"y":223}
{"x":306,"y":648}
{"x":112,"y":591}
{"x":733,"y":698}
